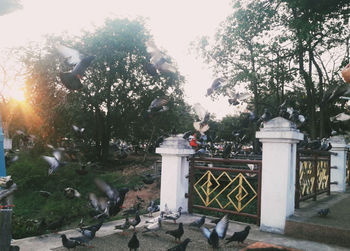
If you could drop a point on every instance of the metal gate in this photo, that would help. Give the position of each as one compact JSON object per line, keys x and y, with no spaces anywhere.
{"x":231,"y":186}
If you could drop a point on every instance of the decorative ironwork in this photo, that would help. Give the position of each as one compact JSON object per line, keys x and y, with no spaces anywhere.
{"x":226,"y":185}
{"x":208,"y":184}
{"x":313,"y":175}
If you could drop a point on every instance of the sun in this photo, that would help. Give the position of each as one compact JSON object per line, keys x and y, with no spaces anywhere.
{"x":18,"y":95}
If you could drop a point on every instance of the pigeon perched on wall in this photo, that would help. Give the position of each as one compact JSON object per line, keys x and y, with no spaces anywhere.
{"x":219,"y":232}
{"x":199,"y":222}
{"x":71,"y":80}
{"x":177,"y":233}
{"x":54,"y":162}
{"x":133,"y":243}
{"x":182,"y":246}
{"x":239,"y":236}
{"x":215,"y":85}
{"x":266,"y":116}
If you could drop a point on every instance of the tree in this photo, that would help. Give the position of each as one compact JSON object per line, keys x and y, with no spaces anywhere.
{"x":117,"y":87}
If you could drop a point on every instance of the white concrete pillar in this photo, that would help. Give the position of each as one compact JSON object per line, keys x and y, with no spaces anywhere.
{"x":175,"y":168}
{"x":279,"y":137}
{"x":339,"y":174}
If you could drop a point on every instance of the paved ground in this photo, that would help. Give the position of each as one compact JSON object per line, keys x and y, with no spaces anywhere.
{"x":339,"y":205}
{"x":109,"y":239}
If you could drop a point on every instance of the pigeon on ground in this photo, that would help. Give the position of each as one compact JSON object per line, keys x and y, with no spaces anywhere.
{"x":215,"y":85}
{"x":93,"y":228}
{"x":153,"y":227}
{"x":135,"y":221}
{"x":125,"y":225}
{"x":87,"y":235}
{"x":155,"y":219}
{"x":134,"y":243}
{"x":173,"y":216}
{"x":177,"y":233}
{"x":323,"y":212}
{"x":153,"y":208}
{"x":71,"y":80}
{"x":70,"y":243}
{"x":182,"y":246}
{"x":199,"y":222}
{"x":54,"y":225}
{"x":45,"y":194}
{"x":219,"y":232}
{"x":239,"y":236}
{"x":71,"y":193}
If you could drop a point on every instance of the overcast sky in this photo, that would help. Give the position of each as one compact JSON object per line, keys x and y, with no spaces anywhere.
{"x":174,"y":24}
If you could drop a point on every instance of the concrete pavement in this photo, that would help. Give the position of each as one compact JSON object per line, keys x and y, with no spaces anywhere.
{"x":109,"y":239}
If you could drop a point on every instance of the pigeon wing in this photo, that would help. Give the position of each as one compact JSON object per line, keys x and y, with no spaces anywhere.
{"x":52,"y":162}
{"x":73,"y":56}
{"x":57,"y":155}
{"x":206,"y":232}
{"x":221,"y":227}
{"x":112,"y":194}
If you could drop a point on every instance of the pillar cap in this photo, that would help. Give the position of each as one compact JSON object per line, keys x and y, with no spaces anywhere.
{"x":338,"y":142}
{"x":279,"y":130}
{"x":175,"y":145}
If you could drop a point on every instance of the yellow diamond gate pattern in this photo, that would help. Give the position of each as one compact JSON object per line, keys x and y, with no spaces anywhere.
{"x":225,"y":190}
{"x":322,"y":175}
{"x":306,"y":178}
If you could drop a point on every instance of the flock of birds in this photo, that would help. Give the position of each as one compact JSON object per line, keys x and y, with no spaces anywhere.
{"x":154,"y":225}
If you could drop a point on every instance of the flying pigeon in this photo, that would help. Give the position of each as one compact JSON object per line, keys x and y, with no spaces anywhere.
{"x":8,"y":6}
{"x":340,"y":117}
{"x":201,"y":125}
{"x":173,"y":216}
{"x":218,"y":232}
{"x":115,"y":198}
{"x":157,"y":105}
{"x":77,"y":129}
{"x":71,"y":80}
{"x":199,"y":222}
{"x":239,"y":236}
{"x":215,"y":85}
{"x":182,"y":246}
{"x":10,"y":157}
{"x":158,"y":61}
{"x":54,"y":162}
{"x":177,"y":233}
{"x":134,"y":243}
{"x":237,"y":97}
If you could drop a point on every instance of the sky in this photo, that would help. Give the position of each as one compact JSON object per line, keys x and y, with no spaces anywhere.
{"x":173,"y":24}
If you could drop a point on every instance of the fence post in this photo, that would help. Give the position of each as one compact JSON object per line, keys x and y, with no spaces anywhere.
{"x":175,"y":171}
{"x":279,"y":137}
{"x":338,"y":175}
{"x":5,"y":216}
